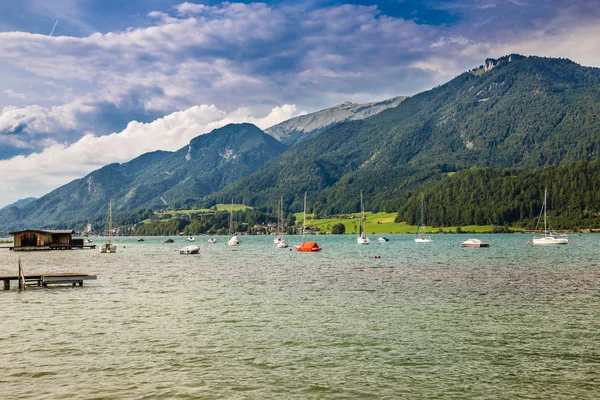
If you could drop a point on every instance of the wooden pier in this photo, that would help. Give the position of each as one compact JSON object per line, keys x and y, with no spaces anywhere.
{"x":53,"y":247}
{"x":44,"y":280}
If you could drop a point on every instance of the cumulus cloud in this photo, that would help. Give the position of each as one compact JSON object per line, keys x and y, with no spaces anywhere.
{"x":38,"y":173}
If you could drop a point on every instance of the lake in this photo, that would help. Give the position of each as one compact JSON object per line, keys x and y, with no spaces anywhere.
{"x":423,"y":321}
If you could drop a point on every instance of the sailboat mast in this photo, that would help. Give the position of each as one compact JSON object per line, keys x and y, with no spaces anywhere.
{"x":109,"y":221}
{"x":231,"y":218}
{"x":545,"y":207}
{"x":278,"y":221}
{"x":304,"y":223}
{"x":422,"y":212}
{"x":361,"y":214}
{"x":281,"y":214}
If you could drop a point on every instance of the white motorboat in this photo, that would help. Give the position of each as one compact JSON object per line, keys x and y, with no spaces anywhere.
{"x":191,"y":249}
{"x":191,"y":239}
{"x":474,"y":243}
{"x":212,"y":240}
{"x":383,"y":239}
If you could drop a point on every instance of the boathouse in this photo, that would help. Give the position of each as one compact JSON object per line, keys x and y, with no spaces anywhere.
{"x":36,"y":239}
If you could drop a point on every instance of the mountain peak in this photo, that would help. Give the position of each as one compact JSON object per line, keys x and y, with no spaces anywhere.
{"x":491,"y":63}
{"x":304,"y":127}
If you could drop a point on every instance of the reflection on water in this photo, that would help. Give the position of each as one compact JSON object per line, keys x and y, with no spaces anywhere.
{"x":424,"y":320}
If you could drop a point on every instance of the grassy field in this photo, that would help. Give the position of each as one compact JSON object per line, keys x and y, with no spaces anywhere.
{"x":220,"y":207}
{"x":381,"y":223}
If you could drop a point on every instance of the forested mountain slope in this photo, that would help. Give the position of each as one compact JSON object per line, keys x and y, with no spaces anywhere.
{"x":516,"y":111}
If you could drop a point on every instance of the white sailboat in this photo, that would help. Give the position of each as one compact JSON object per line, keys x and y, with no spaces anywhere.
{"x":233,"y":240}
{"x":362,"y":237}
{"x":422,"y":238}
{"x":109,"y":247}
{"x":277,"y":235}
{"x":548,"y":238}
{"x":282,"y":244}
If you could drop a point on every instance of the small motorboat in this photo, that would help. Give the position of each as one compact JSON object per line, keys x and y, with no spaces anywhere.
{"x":191,"y":249}
{"x":191,"y":239}
{"x":168,"y":241}
{"x":474,"y":243}
{"x":140,"y":240}
{"x":383,"y":239}
{"x":212,"y":240}
{"x":282,"y":244}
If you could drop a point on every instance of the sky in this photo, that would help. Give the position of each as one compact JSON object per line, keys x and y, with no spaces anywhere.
{"x":85,"y":83}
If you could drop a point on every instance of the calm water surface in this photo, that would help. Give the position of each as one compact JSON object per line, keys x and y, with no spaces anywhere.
{"x":423,"y":321}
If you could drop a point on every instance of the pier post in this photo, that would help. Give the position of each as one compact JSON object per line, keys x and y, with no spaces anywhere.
{"x":6,"y":284}
{"x":21,"y":276}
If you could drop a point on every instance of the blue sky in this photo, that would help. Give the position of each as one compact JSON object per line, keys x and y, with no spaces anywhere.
{"x":119,"y":78}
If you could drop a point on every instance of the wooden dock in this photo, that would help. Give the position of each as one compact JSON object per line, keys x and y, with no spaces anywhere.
{"x":53,"y":247}
{"x":44,"y":280}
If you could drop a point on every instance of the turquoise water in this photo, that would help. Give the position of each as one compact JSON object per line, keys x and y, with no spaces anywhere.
{"x":423,"y":321}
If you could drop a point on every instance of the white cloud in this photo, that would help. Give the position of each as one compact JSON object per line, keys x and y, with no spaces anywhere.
{"x":13,"y":95}
{"x":58,"y":164}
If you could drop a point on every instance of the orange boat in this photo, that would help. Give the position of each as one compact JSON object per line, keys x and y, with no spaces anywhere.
{"x":308,"y":246}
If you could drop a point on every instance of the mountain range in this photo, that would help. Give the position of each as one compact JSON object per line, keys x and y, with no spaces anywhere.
{"x":515,"y":111}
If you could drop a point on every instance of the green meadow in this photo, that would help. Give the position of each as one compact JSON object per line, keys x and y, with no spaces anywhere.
{"x":381,"y":223}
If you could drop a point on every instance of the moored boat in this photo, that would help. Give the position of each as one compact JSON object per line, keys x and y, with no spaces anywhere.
{"x":383,"y":239}
{"x":474,"y":243}
{"x":109,"y":247}
{"x":549,"y":238}
{"x":191,"y":249}
{"x":422,"y":238}
{"x":362,"y":236}
{"x":233,"y":240}
{"x":307,"y":246}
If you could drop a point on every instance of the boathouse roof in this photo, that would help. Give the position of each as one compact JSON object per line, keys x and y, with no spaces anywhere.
{"x":47,"y":231}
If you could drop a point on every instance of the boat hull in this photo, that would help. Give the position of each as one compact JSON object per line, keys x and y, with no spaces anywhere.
{"x":474,"y":243}
{"x":108,"y":248}
{"x":190,"y":250}
{"x":550,"y":241}
{"x":308,"y":250}
{"x":423,"y":240}
{"x":362,"y":240}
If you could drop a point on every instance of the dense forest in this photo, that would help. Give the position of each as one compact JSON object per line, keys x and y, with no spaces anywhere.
{"x":483,"y":196}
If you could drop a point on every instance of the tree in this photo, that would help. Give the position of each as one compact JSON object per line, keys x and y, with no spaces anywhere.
{"x":338,"y":229}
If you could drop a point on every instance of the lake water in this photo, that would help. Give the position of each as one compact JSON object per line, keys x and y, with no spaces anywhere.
{"x":423,"y":321}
